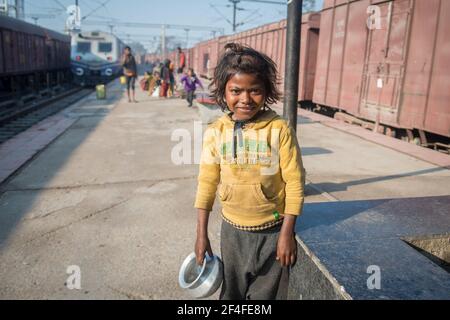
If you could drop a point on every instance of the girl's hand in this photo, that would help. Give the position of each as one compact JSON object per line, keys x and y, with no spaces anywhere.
{"x":287,"y":250}
{"x":202,"y":245}
{"x":287,"y":245}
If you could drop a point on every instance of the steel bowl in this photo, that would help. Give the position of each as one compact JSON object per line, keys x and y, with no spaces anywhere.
{"x":201,"y":281}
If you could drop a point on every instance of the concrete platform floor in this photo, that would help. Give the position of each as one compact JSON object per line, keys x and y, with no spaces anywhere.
{"x":105,"y":196}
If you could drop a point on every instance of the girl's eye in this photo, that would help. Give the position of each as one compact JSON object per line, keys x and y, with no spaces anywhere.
{"x":235,"y":91}
{"x":256,"y":91}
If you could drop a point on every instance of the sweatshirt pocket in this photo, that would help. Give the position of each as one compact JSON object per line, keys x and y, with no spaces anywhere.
{"x":246,"y":199}
{"x":224,"y":192}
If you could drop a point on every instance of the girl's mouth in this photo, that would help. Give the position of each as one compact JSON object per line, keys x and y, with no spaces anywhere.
{"x":247,"y":108}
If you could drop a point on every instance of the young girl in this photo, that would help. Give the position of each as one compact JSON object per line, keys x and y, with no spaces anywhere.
{"x":190,"y":82}
{"x":252,"y":156}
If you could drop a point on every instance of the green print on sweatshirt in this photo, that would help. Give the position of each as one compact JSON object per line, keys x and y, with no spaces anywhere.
{"x":252,"y":152}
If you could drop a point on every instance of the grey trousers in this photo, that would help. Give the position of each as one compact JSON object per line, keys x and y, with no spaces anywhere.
{"x":190,"y":97}
{"x":251,"y":271}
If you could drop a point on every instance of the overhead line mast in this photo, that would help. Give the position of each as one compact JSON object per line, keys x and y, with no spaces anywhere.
{"x":236,"y":8}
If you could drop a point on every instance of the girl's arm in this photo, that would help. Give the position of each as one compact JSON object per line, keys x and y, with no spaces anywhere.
{"x":293,"y":174}
{"x":197,"y":80}
{"x":287,"y":245}
{"x":202,"y":245}
{"x":208,"y":180}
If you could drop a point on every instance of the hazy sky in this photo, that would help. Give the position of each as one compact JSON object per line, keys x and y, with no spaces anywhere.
{"x":181,"y":12}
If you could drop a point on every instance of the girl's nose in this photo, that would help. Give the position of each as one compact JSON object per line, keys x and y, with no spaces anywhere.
{"x":245,"y":97}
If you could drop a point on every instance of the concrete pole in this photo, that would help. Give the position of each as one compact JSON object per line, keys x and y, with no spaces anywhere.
{"x":77,"y":18}
{"x":187,"y":37}
{"x":293,"y":40}
{"x":163,"y":41}
{"x":20,"y":9}
{"x":4,"y":7}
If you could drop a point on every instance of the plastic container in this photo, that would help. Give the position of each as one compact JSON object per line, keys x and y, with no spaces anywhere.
{"x":101,"y":91}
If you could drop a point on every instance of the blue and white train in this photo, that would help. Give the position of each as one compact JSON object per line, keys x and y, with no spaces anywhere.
{"x":95,"y":57}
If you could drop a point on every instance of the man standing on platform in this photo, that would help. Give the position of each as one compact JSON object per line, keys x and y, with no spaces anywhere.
{"x":130,"y":71}
{"x":181,"y":61}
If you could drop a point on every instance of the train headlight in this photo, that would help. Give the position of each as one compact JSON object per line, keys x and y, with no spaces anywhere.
{"x":79,"y":72}
{"x":108,"y":72}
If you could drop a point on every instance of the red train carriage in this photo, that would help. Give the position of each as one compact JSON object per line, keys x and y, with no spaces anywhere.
{"x":394,"y":77}
{"x":271,"y":40}
{"x":396,"y":74}
{"x":203,"y":57}
{"x":31,"y":56}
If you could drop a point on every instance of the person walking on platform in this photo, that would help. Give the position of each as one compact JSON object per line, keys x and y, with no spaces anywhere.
{"x":252,"y":157}
{"x":130,"y":71}
{"x":171,"y":92}
{"x":181,"y":61}
{"x":165,"y":78}
{"x":190,"y":82}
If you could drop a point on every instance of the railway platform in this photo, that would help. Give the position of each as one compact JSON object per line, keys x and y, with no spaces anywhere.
{"x":94,"y":189}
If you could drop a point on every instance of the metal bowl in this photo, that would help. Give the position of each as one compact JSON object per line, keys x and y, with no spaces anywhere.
{"x":201,"y":281}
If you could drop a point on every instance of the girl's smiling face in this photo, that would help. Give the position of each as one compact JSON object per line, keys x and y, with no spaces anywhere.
{"x":245,"y":96}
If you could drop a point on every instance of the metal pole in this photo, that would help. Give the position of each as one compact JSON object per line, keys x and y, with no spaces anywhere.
{"x":293,"y":40}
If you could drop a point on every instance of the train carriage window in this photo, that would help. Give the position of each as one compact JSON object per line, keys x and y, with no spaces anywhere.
{"x":84,"y":47}
{"x":105,"y":47}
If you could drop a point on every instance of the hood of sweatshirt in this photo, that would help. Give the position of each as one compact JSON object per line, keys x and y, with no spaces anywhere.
{"x":260,"y":121}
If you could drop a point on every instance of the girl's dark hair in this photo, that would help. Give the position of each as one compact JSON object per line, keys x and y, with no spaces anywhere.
{"x":242,"y":59}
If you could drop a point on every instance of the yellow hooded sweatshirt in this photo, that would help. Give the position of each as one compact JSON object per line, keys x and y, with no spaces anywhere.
{"x":256,"y":166}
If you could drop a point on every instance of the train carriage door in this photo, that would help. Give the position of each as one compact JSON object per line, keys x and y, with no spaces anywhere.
{"x":31,"y":50}
{"x":8,"y":49}
{"x":384,"y":65}
{"x":205,"y":64}
{"x":48,"y":54}
{"x":20,"y":52}
{"x":41,"y":52}
{"x":2,"y":61}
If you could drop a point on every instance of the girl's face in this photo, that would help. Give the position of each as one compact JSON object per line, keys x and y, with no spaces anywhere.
{"x":189,"y":73}
{"x":245,"y":96}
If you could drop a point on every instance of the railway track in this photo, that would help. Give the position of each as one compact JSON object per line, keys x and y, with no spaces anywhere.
{"x":18,"y":119}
